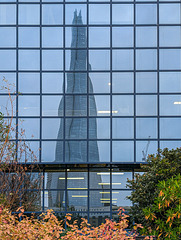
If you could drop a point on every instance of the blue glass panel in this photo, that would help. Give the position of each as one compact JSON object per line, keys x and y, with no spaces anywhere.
{"x":99,"y":82}
{"x":145,"y":148}
{"x":99,"y":105}
{"x":146,"y":82}
{"x":29,"y":59}
{"x":99,"y":59}
{"x":29,"y":14}
{"x":170,"y":59}
{"x":49,"y":150}
{"x":170,"y":36}
{"x":146,"y":128}
{"x":8,"y":37}
{"x":122,"y":105}
{"x":146,"y":13}
{"x":146,"y":105}
{"x":52,"y":133}
{"x":52,"y":37}
{"x":29,"y":37}
{"x":29,"y":82}
{"x":122,"y":128}
{"x":8,"y":13}
{"x":99,"y":37}
{"x":52,"y":82}
{"x":170,"y":105}
{"x":122,"y":59}
{"x":122,"y":37}
{"x":99,"y":14}
{"x":52,"y":59}
{"x":146,"y":36}
{"x":71,"y":10}
{"x":99,"y":128}
{"x":123,"y":151}
{"x":11,"y":78}
{"x":170,"y":128}
{"x":122,"y":14}
{"x":170,"y":13}
{"x":29,"y":106}
{"x":146,"y":59}
{"x":170,"y":82}
{"x":122,"y":82}
{"x":7,"y":60}
{"x":30,"y":127}
{"x":52,"y":106}
{"x":52,"y":14}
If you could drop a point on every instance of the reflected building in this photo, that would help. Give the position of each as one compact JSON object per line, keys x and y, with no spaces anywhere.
{"x":76,"y":125}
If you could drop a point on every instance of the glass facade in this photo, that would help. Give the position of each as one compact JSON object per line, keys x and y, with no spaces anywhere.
{"x":98,"y":83}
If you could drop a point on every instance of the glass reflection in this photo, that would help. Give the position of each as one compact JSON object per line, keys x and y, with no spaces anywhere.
{"x":119,"y":178}
{"x":54,"y":200}
{"x":96,"y":219}
{"x":119,"y":200}
{"x":99,"y":201}
{"x":145,"y":148}
{"x":8,"y":37}
{"x":170,"y":82}
{"x":123,"y":151}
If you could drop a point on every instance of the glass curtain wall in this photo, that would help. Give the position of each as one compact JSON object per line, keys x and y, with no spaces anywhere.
{"x":95,"y":82}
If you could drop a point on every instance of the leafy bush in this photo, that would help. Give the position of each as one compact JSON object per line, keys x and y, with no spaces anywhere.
{"x":165,"y":213}
{"x":48,"y":227}
{"x":164,"y":165}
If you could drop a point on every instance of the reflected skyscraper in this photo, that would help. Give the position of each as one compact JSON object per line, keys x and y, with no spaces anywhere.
{"x":75,"y":104}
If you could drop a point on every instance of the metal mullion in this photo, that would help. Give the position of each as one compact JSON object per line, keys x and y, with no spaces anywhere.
{"x":158,"y":78}
{"x":64,"y":89}
{"x":40,"y":141}
{"x":17,"y":90}
{"x":134,"y":75}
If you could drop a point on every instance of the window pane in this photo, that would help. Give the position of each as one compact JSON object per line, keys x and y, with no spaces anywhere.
{"x":146,"y":82}
{"x":99,"y":105}
{"x":170,"y":13}
{"x":170,"y":36}
{"x":29,"y":14}
{"x":75,"y":128}
{"x":73,"y":10}
{"x":170,"y":128}
{"x":29,"y":105}
{"x":76,"y":82}
{"x":77,"y":200}
{"x":170,"y":59}
{"x":5,"y":107}
{"x":120,"y":177}
{"x":99,"y":201}
{"x":122,"y":83}
{"x":146,"y":105}
{"x":99,"y":59}
{"x":122,"y":128}
{"x":29,"y":82}
{"x":99,"y":37}
{"x":29,"y":59}
{"x":146,"y":36}
{"x":146,"y":128}
{"x":56,"y":130}
{"x":122,"y":37}
{"x":122,"y":59}
{"x":145,"y":148}
{"x":122,"y":105}
{"x":52,"y":151}
{"x":170,"y":144}
{"x":99,"y":178}
{"x":52,"y":14}
{"x":170,"y":105}
{"x":99,"y":151}
{"x":81,"y":59}
{"x":122,"y":14}
{"x":7,"y":60}
{"x":94,"y":14}
{"x":11,"y":78}
{"x":146,"y":13}
{"x":52,"y":37}
{"x":146,"y":59}
{"x":119,"y":200}
{"x":56,"y":183}
{"x":76,"y":105}
{"x":52,"y":106}
{"x":122,"y":151}
{"x":170,"y":82}
{"x":75,"y":151}
{"x":54,"y":200}
{"x":7,"y":13}
{"x":99,"y":82}
{"x":29,"y":37}
{"x":69,"y":36}
{"x":99,"y":128}
{"x":30,"y":127}
{"x":52,"y":59}
{"x":8,"y":37}
{"x":52,"y":82}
